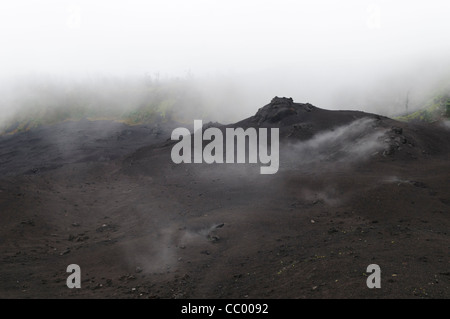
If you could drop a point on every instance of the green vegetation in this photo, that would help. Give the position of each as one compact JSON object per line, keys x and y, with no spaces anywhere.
{"x":435,"y":109}
{"x":144,"y":101}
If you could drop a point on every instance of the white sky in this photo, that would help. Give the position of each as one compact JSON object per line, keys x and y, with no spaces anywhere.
{"x":325,"y":40}
{"x":207,"y":36}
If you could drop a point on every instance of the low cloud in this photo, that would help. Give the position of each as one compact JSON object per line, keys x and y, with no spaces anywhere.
{"x":345,"y":144}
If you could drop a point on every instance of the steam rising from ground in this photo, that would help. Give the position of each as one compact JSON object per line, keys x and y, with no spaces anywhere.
{"x":338,"y":149}
{"x":161,"y":252}
{"x":345,"y":144}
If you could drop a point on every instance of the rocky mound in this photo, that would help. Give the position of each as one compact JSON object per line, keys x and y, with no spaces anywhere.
{"x":303,"y":121}
{"x":300,"y":120}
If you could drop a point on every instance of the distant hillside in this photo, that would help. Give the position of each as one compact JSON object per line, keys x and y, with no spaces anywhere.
{"x":132,"y":103}
{"x":437,"y":108}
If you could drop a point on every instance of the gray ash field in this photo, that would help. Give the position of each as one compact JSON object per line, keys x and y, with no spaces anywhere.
{"x":353,"y":189}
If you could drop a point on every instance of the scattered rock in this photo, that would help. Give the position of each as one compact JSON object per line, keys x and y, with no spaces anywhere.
{"x":213,"y":238}
{"x":419,"y":184}
{"x":397,"y":130}
{"x":332,"y":230}
{"x":423,"y":259}
{"x":29,"y":222}
{"x":82,"y":238}
{"x":106,"y":227}
{"x":65,"y":252}
{"x":98,"y":286}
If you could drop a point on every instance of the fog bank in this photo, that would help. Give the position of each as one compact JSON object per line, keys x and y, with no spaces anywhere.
{"x":377,"y":56}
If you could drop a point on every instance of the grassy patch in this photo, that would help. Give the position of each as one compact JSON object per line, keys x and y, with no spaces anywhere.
{"x":436,"y":109}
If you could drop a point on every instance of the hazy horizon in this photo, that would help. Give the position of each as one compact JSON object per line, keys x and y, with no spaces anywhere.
{"x":353,"y":54}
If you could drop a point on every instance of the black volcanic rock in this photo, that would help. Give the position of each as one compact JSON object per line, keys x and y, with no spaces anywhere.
{"x":280,"y":108}
{"x":300,"y":120}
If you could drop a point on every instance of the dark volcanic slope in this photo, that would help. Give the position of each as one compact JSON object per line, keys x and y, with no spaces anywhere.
{"x":353,"y":189}
{"x":306,"y":118}
{"x":49,"y":147}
